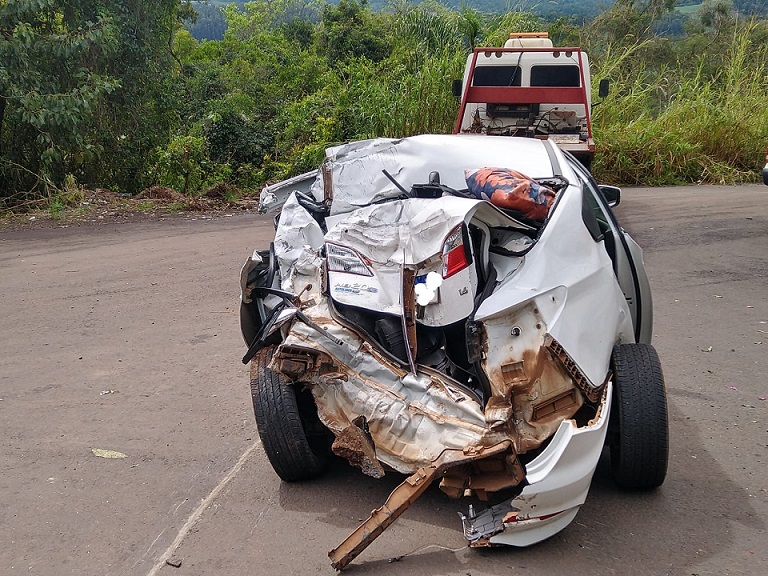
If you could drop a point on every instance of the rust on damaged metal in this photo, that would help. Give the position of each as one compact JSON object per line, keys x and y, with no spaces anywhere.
{"x":355,"y":445}
{"x":401,"y":498}
{"x":532,"y":390}
{"x":569,"y":364}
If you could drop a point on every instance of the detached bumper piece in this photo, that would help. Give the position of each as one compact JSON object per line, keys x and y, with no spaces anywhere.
{"x":380,"y":519}
{"x":558,"y":483}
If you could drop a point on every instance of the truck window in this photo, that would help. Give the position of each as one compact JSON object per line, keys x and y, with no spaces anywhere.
{"x":497,"y":76}
{"x":560,"y":76}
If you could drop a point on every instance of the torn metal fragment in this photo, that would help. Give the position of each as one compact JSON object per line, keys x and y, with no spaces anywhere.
{"x":381,"y":518}
{"x":355,"y":444}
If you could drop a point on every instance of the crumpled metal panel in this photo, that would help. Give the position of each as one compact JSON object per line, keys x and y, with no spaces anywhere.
{"x":298,"y":240}
{"x":412,"y":419}
{"x":562,"y":288}
{"x":355,"y":169}
{"x":412,"y":231}
{"x":569,"y":279}
{"x":532,"y":393}
{"x":273,"y":197}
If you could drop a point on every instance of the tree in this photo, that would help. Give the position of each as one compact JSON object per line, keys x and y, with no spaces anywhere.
{"x":141,"y":115}
{"x":349,"y":31}
{"x":85,"y":89}
{"x":49,"y":88}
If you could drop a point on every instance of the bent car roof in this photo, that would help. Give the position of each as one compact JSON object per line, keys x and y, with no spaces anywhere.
{"x":356,"y":169}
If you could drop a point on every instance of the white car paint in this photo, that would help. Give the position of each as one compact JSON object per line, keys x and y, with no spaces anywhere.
{"x":561,"y":288}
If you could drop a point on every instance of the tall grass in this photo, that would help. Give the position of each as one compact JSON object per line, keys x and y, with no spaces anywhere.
{"x":408,"y":96}
{"x":680,"y":124}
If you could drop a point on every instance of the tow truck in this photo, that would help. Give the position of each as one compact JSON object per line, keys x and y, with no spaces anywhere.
{"x":530,"y":88}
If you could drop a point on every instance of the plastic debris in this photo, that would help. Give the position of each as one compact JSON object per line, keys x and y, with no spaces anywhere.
{"x":707,"y":350}
{"x":175,"y":562}
{"x":733,"y":387}
{"x":101,"y":453}
{"x":105,"y":392}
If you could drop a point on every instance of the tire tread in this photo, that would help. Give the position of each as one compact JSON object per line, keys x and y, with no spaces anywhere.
{"x":640,"y":449}
{"x":279,"y":423}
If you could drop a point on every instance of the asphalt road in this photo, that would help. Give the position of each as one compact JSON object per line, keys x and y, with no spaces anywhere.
{"x":125,"y":337}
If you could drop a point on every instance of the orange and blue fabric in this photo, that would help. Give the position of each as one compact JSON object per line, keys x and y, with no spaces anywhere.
{"x":510,"y":189}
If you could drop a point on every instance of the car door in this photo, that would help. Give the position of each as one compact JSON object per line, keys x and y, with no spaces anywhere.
{"x":626,"y":254}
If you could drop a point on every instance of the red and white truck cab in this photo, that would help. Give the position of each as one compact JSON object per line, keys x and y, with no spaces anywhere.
{"x":529,"y":88}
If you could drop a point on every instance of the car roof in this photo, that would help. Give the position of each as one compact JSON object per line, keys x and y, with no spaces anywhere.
{"x":356,"y":169}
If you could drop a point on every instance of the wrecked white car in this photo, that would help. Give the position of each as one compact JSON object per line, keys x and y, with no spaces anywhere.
{"x":423,"y":326}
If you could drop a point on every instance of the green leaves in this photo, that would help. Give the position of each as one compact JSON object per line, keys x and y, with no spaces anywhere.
{"x":80,"y":82}
{"x":115,"y":94}
{"x":49,"y":89}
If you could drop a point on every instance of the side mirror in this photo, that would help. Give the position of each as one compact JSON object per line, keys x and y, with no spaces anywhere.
{"x":457,"y":87}
{"x":612,"y":194}
{"x":605,"y":88}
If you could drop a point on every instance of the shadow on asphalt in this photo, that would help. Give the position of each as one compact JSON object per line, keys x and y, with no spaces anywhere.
{"x":677,"y":526}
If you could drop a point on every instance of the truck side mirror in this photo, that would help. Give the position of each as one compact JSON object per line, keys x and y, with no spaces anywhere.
{"x":457,"y":88}
{"x":605,"y":87}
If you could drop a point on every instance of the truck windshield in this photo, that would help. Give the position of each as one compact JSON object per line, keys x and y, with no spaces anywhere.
{"x":560,"y":76}
{"x":497,"y":76}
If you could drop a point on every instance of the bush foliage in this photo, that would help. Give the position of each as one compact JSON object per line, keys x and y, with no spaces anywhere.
{"x":119,"y":95}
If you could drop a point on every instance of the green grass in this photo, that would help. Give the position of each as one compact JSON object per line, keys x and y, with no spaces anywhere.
{"x":176,"y":207}
{"x":684,"y":125}
{"x":145,"y":206}
{"x":687,"y":10}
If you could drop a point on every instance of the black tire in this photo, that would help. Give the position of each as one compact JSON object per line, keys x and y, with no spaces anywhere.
{"x":294,"y":440}
{"x":638,"y":430}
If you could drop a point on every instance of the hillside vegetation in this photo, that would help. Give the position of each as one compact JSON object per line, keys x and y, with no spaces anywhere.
{"x":211,"y":24}
{"x":120,"y":96}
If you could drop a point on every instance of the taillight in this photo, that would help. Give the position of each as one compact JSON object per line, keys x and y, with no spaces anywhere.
{"x":343,"y":259}
{"x":455,"y":254}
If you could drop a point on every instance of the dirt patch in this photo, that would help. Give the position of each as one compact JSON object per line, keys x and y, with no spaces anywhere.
{"x":102,"y":206}
{"x":161,"y":193}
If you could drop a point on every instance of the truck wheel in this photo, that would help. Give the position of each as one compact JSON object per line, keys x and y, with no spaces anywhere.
{"x":293,"y":437}
{"x":638,"y":430}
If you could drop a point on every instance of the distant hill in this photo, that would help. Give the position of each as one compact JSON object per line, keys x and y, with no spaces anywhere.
{"x":210,"y":23}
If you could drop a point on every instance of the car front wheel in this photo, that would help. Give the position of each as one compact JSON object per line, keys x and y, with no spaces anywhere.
{"x":638,"y":430}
